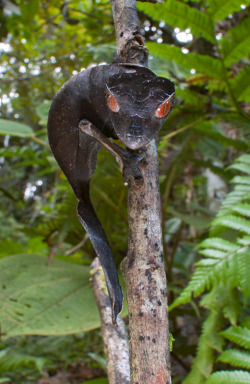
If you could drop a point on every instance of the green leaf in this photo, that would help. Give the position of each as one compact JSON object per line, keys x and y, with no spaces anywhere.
{"x":241,"y":180}
{"x":237,"y":45}
{"x":229,"y":377}
{"x":43,"y":111}
{"x":198,"y":222}
{"x":4,"y":380}
{"x":11,"y":361}
{"x":218,"y":243}
{"x":214,"y":253}
{"x":220,"y":9}
{"x":208,"y":128}
{"x":238,"y":335}
{"x":242,"y":209}
{"x":9,"y":127}
{"x":40,"y":300}
{"x":201,"y":63}
{"x":234,"y":222}
{"x":240,"y":86}
{"x":236,"y":358}
{"x":244,"y":270}
{"x":180,"y":15}
{"x":29,"y":8}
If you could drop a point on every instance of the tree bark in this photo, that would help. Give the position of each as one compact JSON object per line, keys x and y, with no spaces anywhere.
{"x":143,"y":268}
{"x":114,"y":338}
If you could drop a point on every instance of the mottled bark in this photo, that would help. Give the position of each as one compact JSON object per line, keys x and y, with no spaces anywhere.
{"x":144,"y":273}
{"x":143,"y":268}
{"x":114,"y":338}
{"x":130,"y":43}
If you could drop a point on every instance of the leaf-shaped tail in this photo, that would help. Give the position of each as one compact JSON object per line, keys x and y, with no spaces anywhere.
{"x":76,"y":153}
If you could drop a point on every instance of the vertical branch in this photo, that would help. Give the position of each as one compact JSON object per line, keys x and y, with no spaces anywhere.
{"x":130,"y":43}
{"x":143,"y":268}
{"x":114,"y":338}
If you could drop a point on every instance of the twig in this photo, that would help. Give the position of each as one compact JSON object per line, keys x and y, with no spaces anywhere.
{"x":78,"y":246}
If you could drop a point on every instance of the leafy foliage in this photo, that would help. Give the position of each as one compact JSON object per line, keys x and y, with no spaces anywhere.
{"x":224,"y":269}
{"x":203,"y":47}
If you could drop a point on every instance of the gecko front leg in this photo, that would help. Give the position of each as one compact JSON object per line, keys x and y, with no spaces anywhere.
{"x":129,"y":162}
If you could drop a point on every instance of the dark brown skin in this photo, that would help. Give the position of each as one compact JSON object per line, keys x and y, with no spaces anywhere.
{"x":122,"y":101}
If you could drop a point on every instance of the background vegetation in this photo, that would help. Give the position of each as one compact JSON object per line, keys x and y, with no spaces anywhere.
{"x":203,"y":47}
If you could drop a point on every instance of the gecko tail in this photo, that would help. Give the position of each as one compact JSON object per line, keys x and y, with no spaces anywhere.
{"x":76,"y":153}
{"x":98,"y":238}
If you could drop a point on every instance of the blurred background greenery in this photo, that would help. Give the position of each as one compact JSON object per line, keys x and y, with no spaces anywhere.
{"x":202,"y":46}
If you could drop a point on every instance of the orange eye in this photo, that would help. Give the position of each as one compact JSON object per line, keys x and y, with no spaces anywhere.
{"x":163,"y":109}
{"x":113,"y":103}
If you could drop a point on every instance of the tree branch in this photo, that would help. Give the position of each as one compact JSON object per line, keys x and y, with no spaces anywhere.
{"x":114,"y":338}
{"x":143,"y":268}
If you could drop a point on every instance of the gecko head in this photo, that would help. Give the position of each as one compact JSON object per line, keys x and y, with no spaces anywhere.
{"x":138,"y":102}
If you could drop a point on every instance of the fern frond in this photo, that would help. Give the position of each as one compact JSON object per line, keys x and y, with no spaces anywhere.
{"x":198,"y":284}
{"x":243,"y":159}
{"x":240,"y":86}
{"x":244,"y":271}
{"x":220,"y":9}
{"x":203,"y":64}
{"x":241,"y":180}
{"x":238,"y":44}
{"x":242,"y":167}
{"x":218,"y":243}
{"x":209,"y":272}
{"x":236,"y":358}
{"x":209,"y":340}
{"x":210,"y":130}
{"x":241,"y":193}
{"x":244,"y":241}
{"x":238,"y":335}
{"x":242,"y":209}
{"x":213,"y":253}
{"x":233,"y":306}
{"x":177,"y":13}
{"x":233,"y":222}
{"x":229,"y":377}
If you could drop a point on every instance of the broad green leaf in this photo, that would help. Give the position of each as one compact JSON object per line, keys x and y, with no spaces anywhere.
{"x":40,"y":300}
{"x":9,"y":127}
{"x":229,"y":377}
{"x":220,"y":9}
{"x":180,"y":15}
{"x":5,"y":380}
{"x":201,"y":63}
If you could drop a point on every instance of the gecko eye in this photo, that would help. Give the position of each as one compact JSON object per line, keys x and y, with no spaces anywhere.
{"x":163,"y":109}
{"x":113,"y":103}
